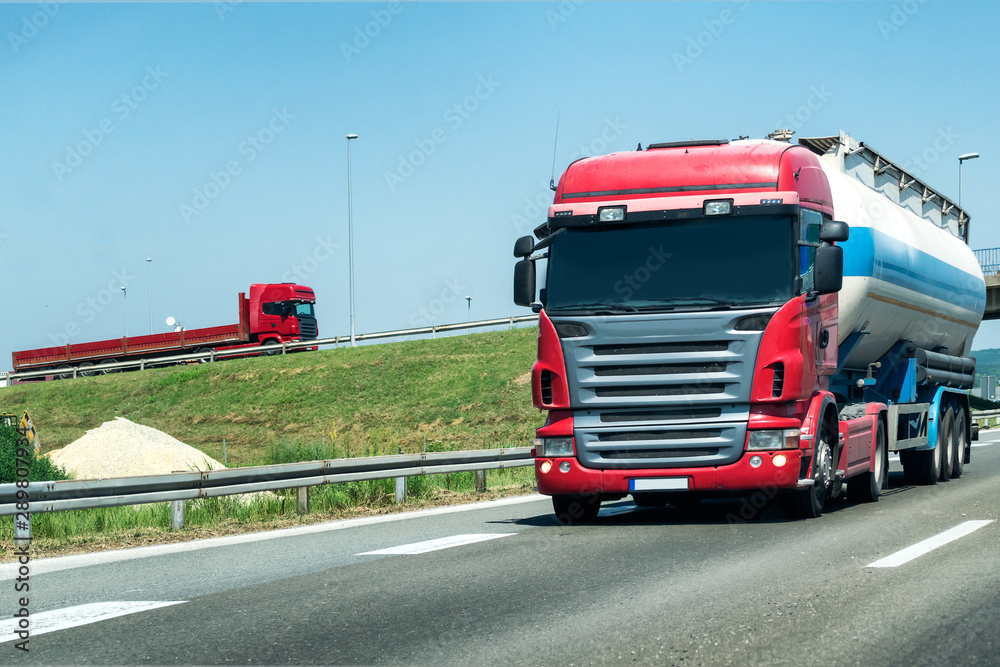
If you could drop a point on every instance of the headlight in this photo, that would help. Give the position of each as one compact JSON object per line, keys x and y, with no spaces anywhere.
{"x":778,"y":439}
{"x":553,"y":447}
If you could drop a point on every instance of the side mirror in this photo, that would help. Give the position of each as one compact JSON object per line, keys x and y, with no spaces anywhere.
{"x":829,"y":276}
{"x":524,"y":282}
{"x":834,"y":231}
{"x":523,"y":246}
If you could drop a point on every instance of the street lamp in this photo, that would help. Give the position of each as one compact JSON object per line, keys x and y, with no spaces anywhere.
{"x":469,"y":299}
{"x":350,"y":232}
{"x":125,"y":302}
{"x":149,"y":290}
{"x":961,"y":159}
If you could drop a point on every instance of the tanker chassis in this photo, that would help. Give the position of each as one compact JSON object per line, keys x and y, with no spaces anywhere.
{"x":720,"y":318}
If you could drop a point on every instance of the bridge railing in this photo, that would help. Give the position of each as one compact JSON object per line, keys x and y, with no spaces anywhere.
{"x":989,"y":259}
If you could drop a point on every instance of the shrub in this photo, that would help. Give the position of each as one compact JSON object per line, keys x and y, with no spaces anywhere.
{"x":41,"y":468}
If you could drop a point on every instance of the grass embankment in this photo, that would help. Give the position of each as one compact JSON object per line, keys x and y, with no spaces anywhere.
{"x":462,"y":392}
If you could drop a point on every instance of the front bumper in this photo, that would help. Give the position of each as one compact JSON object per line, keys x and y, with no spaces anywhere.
{"x":735,"y":477}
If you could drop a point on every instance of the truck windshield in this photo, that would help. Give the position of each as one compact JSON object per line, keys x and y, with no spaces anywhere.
{"x":304,"y":310}
{"x":693,"y":264}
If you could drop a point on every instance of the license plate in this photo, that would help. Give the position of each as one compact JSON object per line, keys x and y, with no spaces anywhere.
{"x":658,"y":484}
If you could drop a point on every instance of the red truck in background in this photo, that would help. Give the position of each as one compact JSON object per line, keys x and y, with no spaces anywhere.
{"x":271,"y":315}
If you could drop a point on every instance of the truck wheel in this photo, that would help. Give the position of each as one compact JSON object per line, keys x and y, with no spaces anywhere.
{"x":271,"y":343}
{"x":63,"y":372}
{"x":926,"y":464}
{"x":959,"y":446}
{"x":808,"y":503}
{"x":203,"y":350}
{"x":86,"y":369}
{"x":868,"y":487}
{"x":948,"y":452}
{"x":572,"y":509}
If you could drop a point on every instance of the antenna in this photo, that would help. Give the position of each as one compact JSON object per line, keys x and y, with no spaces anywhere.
{"x":552,"y":180}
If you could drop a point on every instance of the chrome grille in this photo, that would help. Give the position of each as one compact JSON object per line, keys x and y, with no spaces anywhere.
{"x":307,"y":328}
{"x":661,"y":390}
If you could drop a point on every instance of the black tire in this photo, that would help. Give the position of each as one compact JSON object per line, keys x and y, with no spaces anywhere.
{"x":575,"y":509}
{"x":63,"y":372}
{"x":86,"y":370}
{"x":271,"y":343}
{"x":948,"y":453}
{"x":868,"y":487}
{"x":926,"y":464}
{"x":809,"y":502}
{"x":203,"y":350}
{"x":960,"y":446}
{"x":109,"y":371}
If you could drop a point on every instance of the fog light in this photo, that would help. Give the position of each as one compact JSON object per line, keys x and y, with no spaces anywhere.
{"x":779,"y":460}
{"x":612,"y":214}
{"x":545,"y":467}
{"x":755,"y":461}
{"x":719,"y":207}
{"x":564,"y":466}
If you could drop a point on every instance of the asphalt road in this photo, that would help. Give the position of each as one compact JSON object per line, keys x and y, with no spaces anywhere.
{"x":651,"y":586}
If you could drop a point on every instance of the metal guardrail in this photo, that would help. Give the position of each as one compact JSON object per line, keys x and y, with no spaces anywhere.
{"x":213,"y":355}
{"x":177,"y":487}
{"x":986,"y":414}
{"x":989,"y":260}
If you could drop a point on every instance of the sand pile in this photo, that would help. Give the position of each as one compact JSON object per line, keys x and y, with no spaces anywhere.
{"x":121,"y":448}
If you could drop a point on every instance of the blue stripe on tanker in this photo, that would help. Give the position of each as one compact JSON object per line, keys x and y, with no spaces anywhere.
{"x":910,"y":268}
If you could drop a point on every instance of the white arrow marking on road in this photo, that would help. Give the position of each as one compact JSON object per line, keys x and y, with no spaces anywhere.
{"x":435,"y":545}
{"x":930,"y":544}
{"x":71,"y":617}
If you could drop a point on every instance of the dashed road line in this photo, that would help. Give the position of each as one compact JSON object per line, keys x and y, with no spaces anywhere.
{"x":435,"y":545}
{"x":926,"y":546}
{"x":71,"y":617}
{"x":8,"y":571}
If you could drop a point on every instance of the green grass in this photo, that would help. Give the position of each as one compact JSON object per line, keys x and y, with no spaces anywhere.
{"x":462,"y":392}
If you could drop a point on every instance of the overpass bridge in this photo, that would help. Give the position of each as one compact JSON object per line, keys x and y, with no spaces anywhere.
{"x":989,"y":259}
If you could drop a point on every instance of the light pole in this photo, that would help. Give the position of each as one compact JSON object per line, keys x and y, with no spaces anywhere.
{"x":350,"y":232}
{"x":149,"y":290}
{"x":961,"y":159}
{"x":469,"y":317}
{"x":125,"y":302}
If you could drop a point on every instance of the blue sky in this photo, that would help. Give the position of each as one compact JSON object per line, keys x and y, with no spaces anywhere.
{"x":211,"y":137}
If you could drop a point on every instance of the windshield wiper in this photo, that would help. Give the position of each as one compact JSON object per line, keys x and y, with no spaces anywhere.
{"x":690,"y":301}
{"x":613,"y":307}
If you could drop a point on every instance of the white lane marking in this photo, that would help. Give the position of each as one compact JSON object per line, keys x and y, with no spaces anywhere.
{"x":435,"y":545}
{"x":71,"y":617}
{"x":8,"y":571}
{"x":983,"y":444}
{"x":931,"y":543}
